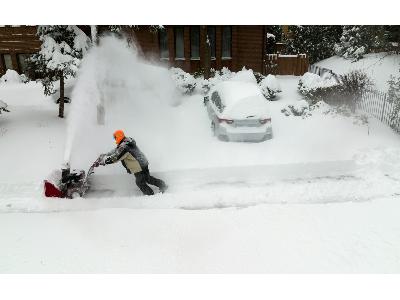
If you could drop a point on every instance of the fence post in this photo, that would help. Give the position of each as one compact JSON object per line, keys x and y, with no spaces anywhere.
{"x":384,"y":104}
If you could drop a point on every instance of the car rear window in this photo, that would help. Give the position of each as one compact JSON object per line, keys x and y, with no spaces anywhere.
{"x":216,"y":99}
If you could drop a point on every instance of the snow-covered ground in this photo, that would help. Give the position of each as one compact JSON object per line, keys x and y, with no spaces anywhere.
{"x":379,"y":66}
{"x":321,"y":196}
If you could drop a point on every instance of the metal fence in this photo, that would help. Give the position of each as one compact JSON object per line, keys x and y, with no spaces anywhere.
{"x":377,"y":104}
{"x":373,"y":102}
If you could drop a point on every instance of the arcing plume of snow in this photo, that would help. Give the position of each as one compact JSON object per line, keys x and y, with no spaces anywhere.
{"x":135,"y":95}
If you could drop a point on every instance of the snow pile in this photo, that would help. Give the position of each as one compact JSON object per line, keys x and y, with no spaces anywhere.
{"x":12,"y":77}
{"x":378,"y":66}
{"x":310,"y":81}
{"x":205,"y":85}
{"x":244,"y":76}
{"x":270,"y":86}
{"x":316,"y":88}
{"x":117,"y":89}
{"x":298,"y":108}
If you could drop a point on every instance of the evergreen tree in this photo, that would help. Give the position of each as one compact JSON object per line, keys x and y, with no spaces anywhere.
{"x":274,"y":35}
{"x":314,"y":40}
{"x":357,"y":40}
{"x":59,"y":57}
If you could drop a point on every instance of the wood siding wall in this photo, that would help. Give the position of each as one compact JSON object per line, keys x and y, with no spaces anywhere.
{"x":17,"y":40}
{"x":250,"y":45}
{"x":247,"y":47}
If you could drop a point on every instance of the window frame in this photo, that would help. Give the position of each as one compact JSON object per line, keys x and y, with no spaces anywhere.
{"x":176,"y":28}
{"x":191,"y":43}
{"x":215,"y":41}
{"x":5,"y":63}
{"x":222,"y":43}
{"x":161,"y":34}
{"x":19,"y":63}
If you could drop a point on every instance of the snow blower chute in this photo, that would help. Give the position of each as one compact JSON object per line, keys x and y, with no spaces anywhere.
{"x":65,"y":183}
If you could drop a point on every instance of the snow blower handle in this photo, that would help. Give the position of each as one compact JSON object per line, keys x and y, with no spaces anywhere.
{"x":99,"y":161}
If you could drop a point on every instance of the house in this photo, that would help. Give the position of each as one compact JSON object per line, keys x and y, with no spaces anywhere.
{"x":231,"y":46}
{"x":183,"y":46}
{"x":16,"y":44}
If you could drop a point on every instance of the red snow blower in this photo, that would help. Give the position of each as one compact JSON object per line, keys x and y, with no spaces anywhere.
{"x":67,"y":183}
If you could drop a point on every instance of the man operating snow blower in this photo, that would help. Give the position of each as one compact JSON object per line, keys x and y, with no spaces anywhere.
{"x":134,"y":162}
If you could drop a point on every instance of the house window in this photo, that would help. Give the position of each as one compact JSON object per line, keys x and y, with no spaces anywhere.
{"x":211,"y":38}
{"x":195,"y":42}
{"x":179,"y":43}
{"x":226,"y":42}
{"x":164,"y":52}
{"x":8,"y":61}
{"x":22,"y":62}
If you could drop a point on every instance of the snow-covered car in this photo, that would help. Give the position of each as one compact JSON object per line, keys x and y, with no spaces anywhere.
{"x":3,"y":107}
{"x":238,"y":112}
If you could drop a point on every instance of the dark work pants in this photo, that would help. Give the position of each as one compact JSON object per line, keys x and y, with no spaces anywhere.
{"x":143,"y":178}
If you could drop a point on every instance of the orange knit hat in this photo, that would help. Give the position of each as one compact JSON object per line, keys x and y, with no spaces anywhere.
{"x":118,"y":136}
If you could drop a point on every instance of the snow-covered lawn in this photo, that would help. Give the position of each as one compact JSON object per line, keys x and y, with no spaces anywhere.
{"x":321,"y":196}
{"x":379,"y":66}
{"x":341,"y":237}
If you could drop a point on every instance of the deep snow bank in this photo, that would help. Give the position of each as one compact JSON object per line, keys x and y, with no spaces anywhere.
{"x":136,"y":97}
{"x":379,"y":66}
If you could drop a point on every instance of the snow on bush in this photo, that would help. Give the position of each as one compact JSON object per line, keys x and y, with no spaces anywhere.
{"x":188,"y":84}
{"x":13,"y":77}
{"x":270,"y":86}
{"x":299,"y":108}
{"x":185,"y":82}
{"x":310,"y":81}
{"x":394,"y":97}
{"x":244,"y":76}
{"x":361,"y":39}
{"x":315,"y":88}
{"x":345,"y":89}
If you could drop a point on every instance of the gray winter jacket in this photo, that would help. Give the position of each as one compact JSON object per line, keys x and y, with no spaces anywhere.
{"x":129,"y":154}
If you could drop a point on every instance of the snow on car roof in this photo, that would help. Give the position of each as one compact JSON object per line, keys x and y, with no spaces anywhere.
{"x":241,"y":99}
{"x":233,"y":91}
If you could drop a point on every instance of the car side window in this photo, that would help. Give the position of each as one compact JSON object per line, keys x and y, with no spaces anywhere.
{"x":216,"y":99}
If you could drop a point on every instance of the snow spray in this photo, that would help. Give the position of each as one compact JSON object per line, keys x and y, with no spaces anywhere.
{"x":115,"y":89}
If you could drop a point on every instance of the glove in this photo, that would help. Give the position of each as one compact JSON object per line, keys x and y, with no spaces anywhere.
{"x":99,"y":161}
{"x":108,"y":160}
{"x":102,"y":161}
